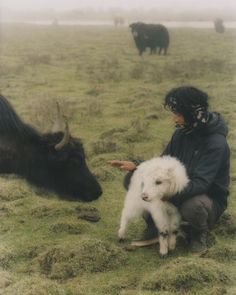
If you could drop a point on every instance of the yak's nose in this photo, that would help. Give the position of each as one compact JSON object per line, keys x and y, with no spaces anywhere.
{"x":145,"y":196}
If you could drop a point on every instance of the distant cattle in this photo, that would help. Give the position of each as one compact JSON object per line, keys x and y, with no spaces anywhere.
{"x":219,"y":26}
{"x":55,"y":161}
{"x":152,"y":36}
{"x":118,"y":21}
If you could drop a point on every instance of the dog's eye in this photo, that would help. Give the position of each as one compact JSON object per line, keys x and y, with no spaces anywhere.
{"x":157,"y":182}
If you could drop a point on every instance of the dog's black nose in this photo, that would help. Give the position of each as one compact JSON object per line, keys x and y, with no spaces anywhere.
{"x":144,"y":196}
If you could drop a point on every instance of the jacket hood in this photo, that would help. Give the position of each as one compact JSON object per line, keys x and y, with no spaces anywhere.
{"x":216,"y":124}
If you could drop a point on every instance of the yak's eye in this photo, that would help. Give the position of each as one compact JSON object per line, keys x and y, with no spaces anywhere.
{"x":158,"y":182}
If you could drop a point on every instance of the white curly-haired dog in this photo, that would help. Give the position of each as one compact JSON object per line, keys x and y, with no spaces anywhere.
{"x":153,"y":182}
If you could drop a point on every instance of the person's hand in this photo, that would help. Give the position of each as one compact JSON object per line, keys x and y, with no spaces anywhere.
{"x":124,"y":165}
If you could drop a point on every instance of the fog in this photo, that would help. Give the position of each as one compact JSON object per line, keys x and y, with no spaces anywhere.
{"x":75,"y":4}
{"x":103,"y":9}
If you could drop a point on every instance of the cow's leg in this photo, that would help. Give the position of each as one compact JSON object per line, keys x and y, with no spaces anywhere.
{"x":141,"y":51}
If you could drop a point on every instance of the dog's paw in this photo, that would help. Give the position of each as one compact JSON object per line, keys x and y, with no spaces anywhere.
{"x":121,"y":234}
{"x":163,"y":256}
{"x":121,"y":240}
{"x":164,"y":253}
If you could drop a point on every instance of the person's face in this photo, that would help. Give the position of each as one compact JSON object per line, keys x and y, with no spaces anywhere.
{"x":178,"y":119}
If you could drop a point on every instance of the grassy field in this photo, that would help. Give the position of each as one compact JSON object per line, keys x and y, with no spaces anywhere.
{"x":113,"y":99}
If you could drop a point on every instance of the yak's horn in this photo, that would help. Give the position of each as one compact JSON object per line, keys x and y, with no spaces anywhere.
{"x":65,"y":140}
{"x":59,"y":124}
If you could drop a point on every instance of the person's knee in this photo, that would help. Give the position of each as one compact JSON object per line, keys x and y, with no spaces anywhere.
{"x":194,"y":211}
{"x":190,"y":213}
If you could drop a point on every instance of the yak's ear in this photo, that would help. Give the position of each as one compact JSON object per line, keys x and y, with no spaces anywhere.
{"x":59,"y":123}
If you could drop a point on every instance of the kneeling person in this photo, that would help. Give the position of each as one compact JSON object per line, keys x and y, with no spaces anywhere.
{"x":199,"y":142}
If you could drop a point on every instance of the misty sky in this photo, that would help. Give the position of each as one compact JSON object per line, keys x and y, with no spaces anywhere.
{"x":126,"y":4}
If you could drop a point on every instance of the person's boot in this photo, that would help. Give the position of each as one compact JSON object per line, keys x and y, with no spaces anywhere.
{"x":198,"y":242}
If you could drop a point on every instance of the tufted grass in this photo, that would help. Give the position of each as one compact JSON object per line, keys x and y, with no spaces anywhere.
{"x":113,"y":101}
{"x":184,"y":275}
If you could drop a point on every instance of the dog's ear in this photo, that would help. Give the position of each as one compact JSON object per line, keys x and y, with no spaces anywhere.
{"x":173,"y":189}
{"x":178,"y":180}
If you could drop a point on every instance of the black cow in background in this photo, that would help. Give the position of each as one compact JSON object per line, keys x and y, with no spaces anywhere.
{"x":150,"y":35}
{"x":55,"y":161}
{"x":118,"y":20}
{"x":219,"y":26}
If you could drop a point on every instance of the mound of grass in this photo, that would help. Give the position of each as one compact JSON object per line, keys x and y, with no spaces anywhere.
{"x":36,"y":59}
{"x":112,"y":133}
{"x":101,"y":169}
{"x":68,"y":227}
{"x":104,"y":146}
{"x":5,"y":279}
{"x":152,"y":117}
{"x":49,"y":211}
{"x":226,"y":225}
{"x":6,"y":256}
{"x":43,"y":113}
{"x":88,"y":255}
{"x":185,"y":275}
{"x":222,"y":253}
{"x":88,"y":213}
{"x":6,"y":209}
{"x":138,"y":131}
{"x":104,"y":173}
{"x":12,"y":189}
{"x":34,"y":286}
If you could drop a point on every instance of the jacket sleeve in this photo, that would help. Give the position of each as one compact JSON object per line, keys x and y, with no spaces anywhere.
{"x":204,"y":173}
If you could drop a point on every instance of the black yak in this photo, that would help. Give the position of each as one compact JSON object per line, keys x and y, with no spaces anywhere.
{"x":118,"y":21}
{"x":150,"y":35}
{"x":55,"y":161}
{"x":219,"y":26}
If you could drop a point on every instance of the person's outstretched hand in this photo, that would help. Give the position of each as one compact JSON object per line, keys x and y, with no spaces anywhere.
{"x":124,"y":165}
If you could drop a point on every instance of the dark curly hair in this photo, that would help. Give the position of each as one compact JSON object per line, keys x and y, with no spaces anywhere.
{"x":187,"y":101}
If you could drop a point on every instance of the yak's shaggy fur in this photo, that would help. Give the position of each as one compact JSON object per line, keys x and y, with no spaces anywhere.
{"x":54,"y":161}
{"x":153,"y":182}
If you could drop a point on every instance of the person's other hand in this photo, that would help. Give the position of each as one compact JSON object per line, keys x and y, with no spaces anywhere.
{"x":124,"y":165}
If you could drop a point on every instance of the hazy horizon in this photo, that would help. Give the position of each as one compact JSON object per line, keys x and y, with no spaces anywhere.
{"x":24,"y":5}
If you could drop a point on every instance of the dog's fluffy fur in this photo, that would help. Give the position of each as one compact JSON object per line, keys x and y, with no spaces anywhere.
{"x":153,"y":182}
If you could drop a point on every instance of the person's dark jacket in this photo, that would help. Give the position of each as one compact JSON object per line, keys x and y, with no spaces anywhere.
{"x":206,"y":156}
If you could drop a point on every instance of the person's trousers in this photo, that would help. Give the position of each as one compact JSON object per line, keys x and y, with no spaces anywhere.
{"x":201,"y":212}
